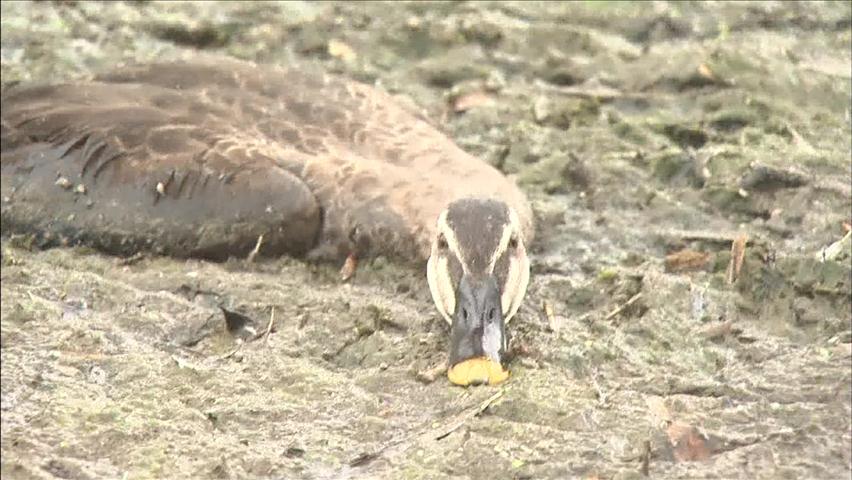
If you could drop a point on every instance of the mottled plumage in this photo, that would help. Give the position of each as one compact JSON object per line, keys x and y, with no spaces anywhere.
{"x":200,"y":158}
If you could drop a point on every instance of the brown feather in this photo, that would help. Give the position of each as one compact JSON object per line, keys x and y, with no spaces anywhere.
{"x":315,"y":163}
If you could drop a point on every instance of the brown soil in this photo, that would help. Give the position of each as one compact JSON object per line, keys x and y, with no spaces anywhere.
{"x":649,"y":136}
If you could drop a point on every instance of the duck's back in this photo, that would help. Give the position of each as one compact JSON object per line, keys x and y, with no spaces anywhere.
{"x":200,"y":159}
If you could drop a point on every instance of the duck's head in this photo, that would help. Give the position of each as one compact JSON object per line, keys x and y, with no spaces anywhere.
{"x":478,"y":273}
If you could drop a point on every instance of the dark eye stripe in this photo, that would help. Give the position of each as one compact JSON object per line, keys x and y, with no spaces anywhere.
{"x":455,"y":268}
{"x":442,"y":242}
{"x":501,"y":269}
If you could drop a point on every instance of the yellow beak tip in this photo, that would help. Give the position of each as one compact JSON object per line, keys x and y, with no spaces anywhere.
{"x":476,"y":371}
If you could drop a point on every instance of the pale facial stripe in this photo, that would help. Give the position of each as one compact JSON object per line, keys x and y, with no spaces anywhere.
{"x":501,"y":248}
{"x":452,"y":240}
{"x":438,"y":276}
{"x":504,"y":239}
{"x":509,"y":293}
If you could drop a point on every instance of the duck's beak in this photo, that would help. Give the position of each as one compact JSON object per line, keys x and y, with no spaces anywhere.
{"x":477,"y":330}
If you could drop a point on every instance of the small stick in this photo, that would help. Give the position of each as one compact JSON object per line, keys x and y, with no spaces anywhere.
{"x":646,"y":458}
{"x":469,"y":414}
{"x":425,"y":434}
{"x":621,"y":308}
{"x":738,"y":247}
{"x":269,"y":326}
{"x":253,"y":254}
{"x":548,"y":313}
{"x":132,"y":259}
{"x":432,"y":373}
{"x":232,"y":352}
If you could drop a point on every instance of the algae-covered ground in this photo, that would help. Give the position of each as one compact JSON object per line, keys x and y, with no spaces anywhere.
{"x":689,"y":312}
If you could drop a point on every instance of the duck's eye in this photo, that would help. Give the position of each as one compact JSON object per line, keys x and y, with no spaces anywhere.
{"x":442,"y":242}
{"x":513,"y":242}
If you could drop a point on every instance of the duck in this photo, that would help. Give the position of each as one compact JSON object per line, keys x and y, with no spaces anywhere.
{"x":215,"y":158}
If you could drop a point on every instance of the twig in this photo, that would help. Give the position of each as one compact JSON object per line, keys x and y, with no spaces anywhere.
{"x":599,"y":92}
{"x":444,"y":432}
{"x":623,"y":307}
{"x":722,"y":238}
{"x":253,"y":254}
{"x":738,"y":247}
{"x":646,"y":458}
{"x":232,"y":352}
{"x":432,"y":373}
{"x":548,"y":313}
{"x":269,"y":326}
{"x":426,"y":433}
{"x":132,"y":260}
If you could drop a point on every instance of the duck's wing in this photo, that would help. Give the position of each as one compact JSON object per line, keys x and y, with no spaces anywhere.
{"x":131,"y":166}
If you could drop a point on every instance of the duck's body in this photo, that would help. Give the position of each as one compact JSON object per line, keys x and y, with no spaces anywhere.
{"x":200,"y":159}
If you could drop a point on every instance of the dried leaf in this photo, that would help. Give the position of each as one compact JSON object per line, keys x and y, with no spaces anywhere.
{"x":686,"y":260}
{"x":720,"y":330}
{"x":432,"y":373}
{"x":471,"y":100}
{"x":658,"y":411}
{"x":338,"y":49}
{"x":705,"y":72}
{"x":688,"y":443}
{"x":349,"y":267}
{"x":738,"y":247}
{"x":836,"y":249}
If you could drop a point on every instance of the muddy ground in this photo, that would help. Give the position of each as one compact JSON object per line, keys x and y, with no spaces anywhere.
{"x":649,"y":137}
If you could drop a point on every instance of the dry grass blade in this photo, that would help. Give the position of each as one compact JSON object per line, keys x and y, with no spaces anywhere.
{"x":253,"y":254}
{"x":467,"y":415}
{"x":427,"y":433}
{"x":548,"y":313}
{"x":620,"y":309}
{"x":132,"y":260}
{"x":269,"y":326}
{"x":232,"y":352}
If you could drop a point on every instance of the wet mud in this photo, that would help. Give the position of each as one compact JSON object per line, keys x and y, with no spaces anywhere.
{"x":689,"y":310}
